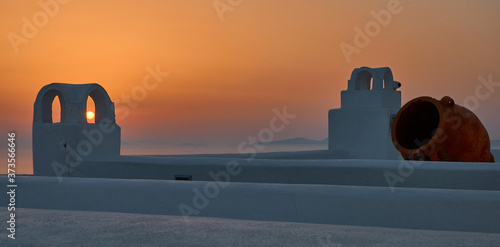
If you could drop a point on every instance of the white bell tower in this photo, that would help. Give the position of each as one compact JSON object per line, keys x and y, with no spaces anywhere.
{"x":58,"y":148}
{"x":362,"y":125}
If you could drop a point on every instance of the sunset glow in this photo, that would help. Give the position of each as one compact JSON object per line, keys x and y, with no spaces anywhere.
{"x":226,"y":75}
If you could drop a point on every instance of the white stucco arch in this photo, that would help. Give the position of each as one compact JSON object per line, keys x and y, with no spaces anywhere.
{"x":73,"y":100}
{"x":103,"y":105}
{"x":361,"y":78}
{"x":47,"y":100}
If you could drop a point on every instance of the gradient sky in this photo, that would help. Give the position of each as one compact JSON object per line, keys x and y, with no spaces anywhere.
{"x":227,"y":75}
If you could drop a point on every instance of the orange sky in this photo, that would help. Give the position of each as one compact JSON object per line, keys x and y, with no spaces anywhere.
{"x":227,"y":75}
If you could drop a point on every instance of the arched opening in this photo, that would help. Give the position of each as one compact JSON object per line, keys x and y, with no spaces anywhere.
{"x":388,"y":80}
{"x":52,"y":112}
{"x":364,"y":80}
{"x":101,"y":101}
{"x":417,"y":124}
{"x":56,"y":110}
{"x":90,"y":110}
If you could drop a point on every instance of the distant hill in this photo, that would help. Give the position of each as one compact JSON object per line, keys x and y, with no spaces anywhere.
{"x":191,"y":144}
{"x":299,"y":141}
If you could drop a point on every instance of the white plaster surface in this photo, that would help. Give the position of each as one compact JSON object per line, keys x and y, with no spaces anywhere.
{"x":292,"y":168}
{"x":410,"y":208}
{"x":83,"y":228}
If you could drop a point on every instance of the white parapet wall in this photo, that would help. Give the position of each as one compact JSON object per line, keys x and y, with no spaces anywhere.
{"x":381,"y":173}
{"x":412,"y":208}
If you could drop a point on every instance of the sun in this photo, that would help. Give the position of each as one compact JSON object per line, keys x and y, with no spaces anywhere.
{"x":90,"y":115}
